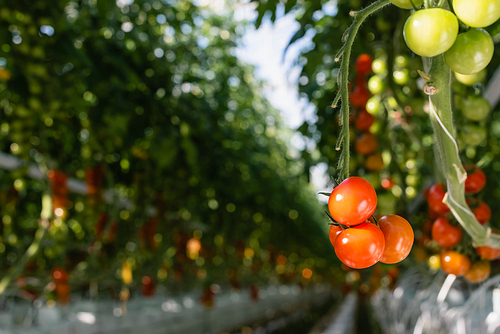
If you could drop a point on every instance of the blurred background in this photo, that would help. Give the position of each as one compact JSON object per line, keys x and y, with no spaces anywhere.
{"x":161,"y":161}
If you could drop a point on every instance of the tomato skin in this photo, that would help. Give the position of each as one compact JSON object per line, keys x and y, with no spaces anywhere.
{"x":360,"y":246}
{"x":488,"y":253}
{"x":472,"y":79}
{"x":477,"y":13}
{"x":353,"y":201}
{"x":366,"y":144}
{"x":364,"y":64}
{"x":478,"y":272}
{"x":375,"y":85}
{"x":435,"y":199}
{"x":471,"y":52}
{"x":473,"y":134}
{"x":398,"y":236}
{"x":430,"y":32}
{"x":334,"y":232}
{"x":364,"y":120}
{"x":475,"y":108}
{"x":475,"y":182}
{"x":454,"y":263}
{"x":482,"y":213}
{"x":406,"y":4}
{"x":445,"y":234}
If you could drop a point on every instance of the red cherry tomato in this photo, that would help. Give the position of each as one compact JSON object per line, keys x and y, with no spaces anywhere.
{"x":360,"y":246}
{"x":483,"y":213}
{"x":478,"y":272}
{"x":366,"y":144}
{"x":445,"y":234}
{"x":364,"y":64}
{"x":59,"y":274}
{"x":435,"y":199}
{"x":353,"y":201}
{"x":488,"y":253}
{"x":387,"y":183}
{"x":454,"y":263}
{"x":374,"y":162}
{"x":364,"y":120}
{"x":360,"y":96}
{"x":398,"y":236}
{"x":475,"y":181}
{"x":334,"y":232}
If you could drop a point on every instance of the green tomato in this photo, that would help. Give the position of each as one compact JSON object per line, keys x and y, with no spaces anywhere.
{"x":475,"y":108}
{"x":477,"y":13}
{"x":471,"y":52}
{"x":379,"y":66}
{"x":406,"y":4}
{"x":473,"y":134}
{"x":401,"y":77}
{"x":375,"y":85}
{"x":471,"y":79}
{"x":430,"y":32}
{"x":373,"y":105}
{"x":401,"y":61}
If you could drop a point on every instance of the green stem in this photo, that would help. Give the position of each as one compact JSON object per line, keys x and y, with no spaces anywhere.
{"x":441,"y":116}
{"x":44,"y":224}
{"x":359,"y":18}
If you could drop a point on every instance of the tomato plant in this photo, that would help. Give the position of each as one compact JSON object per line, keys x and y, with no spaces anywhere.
{"x":435,"y":199}
{"x":430,"y":32}
{"x":475,"y":181}
{"x":477,"y":13}
{"x":360,"y":246}
{"x":471,"y":52}
{"x":454,"y":263}
{"x":445,"y":234}
{"x":353,"y":201}
{"x":478,"y":272}
{"x":366,"y":144}
{"x":334,"y":231}
{"x":475,"y":108}
{"x":398,"y":236}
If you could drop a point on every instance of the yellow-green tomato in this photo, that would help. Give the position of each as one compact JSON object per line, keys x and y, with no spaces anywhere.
{"x":471,"y":52}
{"x":473,"y":134}
{"x":379,"y":66}
{"x":471,"y":79}
{"x":430,"y":32}
{"x":373,"y":105}
{"x":475,"y":108}
{"x":406,"y":4}
{"x":477,"y":13}
{"x":375,"y":85}
{"x":401,"y":77}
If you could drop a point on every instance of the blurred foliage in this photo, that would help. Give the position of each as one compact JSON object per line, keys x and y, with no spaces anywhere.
{"x":150,"y":93}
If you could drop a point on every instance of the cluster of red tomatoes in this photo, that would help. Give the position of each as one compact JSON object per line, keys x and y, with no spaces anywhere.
{"x":449,"y":235}
{"x":359,"y":240}
{"x":366,"y":143}
{"x":61,"y":285}
{"x":432,"y":31}
{"x":59,"y":189}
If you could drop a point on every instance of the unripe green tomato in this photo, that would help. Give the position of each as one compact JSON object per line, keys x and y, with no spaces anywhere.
{"x":430,"y":32}
{"x":406,"y":4}
{"x":375,"y":85}
{"x":373,"y":105}
{"x":401,"y":61}
{"x":471,"y":52}
{"x":471,"y":79}
{"x":475,"y":108}
{"x":477,"y":13}
{"x":379,"y":66}
{"x":473,"y":134}
{"x":401,"y":77}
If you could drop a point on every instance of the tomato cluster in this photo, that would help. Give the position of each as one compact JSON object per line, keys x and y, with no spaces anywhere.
{"x":457,"y":256}
{"x":433,"y":31}
{"x":358,"y":240}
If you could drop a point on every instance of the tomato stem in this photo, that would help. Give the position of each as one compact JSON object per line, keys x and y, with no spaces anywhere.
{"x":343,"y":79}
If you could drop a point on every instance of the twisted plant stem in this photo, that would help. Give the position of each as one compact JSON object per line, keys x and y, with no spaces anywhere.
{"x":438,"y":88}
{"x":344,"y":55}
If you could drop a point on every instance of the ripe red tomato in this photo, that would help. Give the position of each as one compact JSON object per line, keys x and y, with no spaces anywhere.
{"x":364,"y":64}
{"x":454,"y":263}
{"x":374,"y":162}
{"x":364,"y":120}
{"x":430,"y":32}
{"x":334,"y":232}
{"x":366,"y":144}
{"x":488,"y":253}
{"x":359,"y":96}
{"x":387,"y":183}
{"x":360,"y":246}
{"x":478,"y":272}
{"x":353,"y":201}
{"x":483,"y":213}
{"x":475,"y":181}
{"x":435,"y":199}
{"x":59,"y":274}
{"x":398,"y":236}
{"x":444,"y":234}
